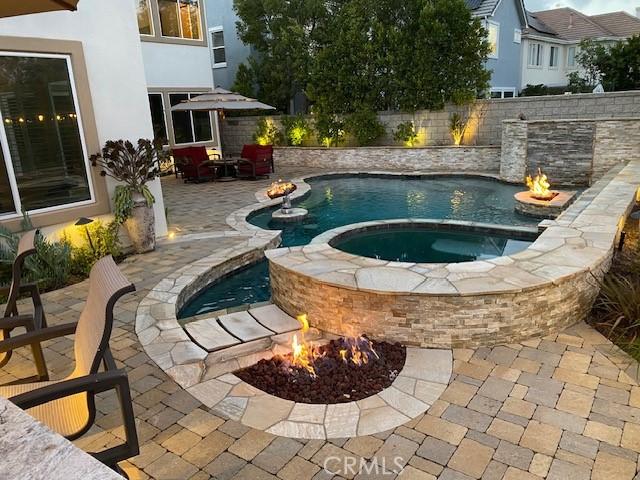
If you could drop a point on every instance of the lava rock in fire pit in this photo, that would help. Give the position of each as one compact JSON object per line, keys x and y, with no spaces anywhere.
{"x":337,"y":380}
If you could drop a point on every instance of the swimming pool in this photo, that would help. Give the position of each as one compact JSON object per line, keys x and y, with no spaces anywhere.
{"x":336,"y":201}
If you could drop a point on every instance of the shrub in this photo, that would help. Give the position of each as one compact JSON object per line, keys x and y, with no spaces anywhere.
{"x":365,"y":126}
{"x":267,"y":133}
{"x":457,"y":127}
{"x":329,"y":129}
{"x":296,"y":130}
{"x":105,"y":242}
{"x":406,"y":134}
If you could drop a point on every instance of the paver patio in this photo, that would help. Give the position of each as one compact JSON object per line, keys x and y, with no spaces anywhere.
{"x":563,"y":407}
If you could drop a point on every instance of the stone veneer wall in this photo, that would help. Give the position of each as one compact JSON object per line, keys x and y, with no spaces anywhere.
{"x":489,"y":114}
{"x":460,"y":159}
{"x":453,"y":321}
{"x":571,"y":152}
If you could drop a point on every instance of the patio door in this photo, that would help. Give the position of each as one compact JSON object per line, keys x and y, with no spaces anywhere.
{"x":44,"y":161}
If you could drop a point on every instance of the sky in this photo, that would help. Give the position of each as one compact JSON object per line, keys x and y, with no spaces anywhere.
{"x":589,"y":7}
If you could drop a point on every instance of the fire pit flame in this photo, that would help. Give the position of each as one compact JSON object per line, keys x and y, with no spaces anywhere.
{"x":280,"y":189}
{"x":539,"y":187}
{"x":358,"y":351}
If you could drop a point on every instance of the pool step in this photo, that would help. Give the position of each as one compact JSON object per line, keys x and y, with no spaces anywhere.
{"x":242,"y":333}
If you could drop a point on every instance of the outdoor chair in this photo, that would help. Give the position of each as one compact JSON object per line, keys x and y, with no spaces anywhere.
{"x":68,"y":406}
{"x":194,"y":164}
{"x":12,"y":318}
{"x":256,"y":161}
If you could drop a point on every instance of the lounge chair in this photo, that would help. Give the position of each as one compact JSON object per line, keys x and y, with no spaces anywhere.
{"x":194,"y":164}
{"x":12,"y":318}
{"x":68,"y":406}
{"x":255,"y":161}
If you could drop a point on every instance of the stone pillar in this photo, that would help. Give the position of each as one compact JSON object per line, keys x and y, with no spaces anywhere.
{"x":513,"y":158}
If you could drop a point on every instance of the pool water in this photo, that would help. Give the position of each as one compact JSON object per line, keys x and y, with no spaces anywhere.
{"x":244,"y":286}
{"x":334,"y":202}
{"x":337,"y":201}
{"x":420,"y":245}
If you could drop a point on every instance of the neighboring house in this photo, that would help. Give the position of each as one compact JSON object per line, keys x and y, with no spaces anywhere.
{"x":504,"y":21}
{"x":551,"y":42}
{"x":176,"y":54}
{"x":227,"y":50}
{"x":69,"y":81}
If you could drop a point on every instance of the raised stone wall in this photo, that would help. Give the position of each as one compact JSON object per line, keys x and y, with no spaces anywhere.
{"x":459,"y":159}
{"x":564,"y":150}
{"x":570,"y":152}
{"x":487,"y":116}
{"x":532,"y":293}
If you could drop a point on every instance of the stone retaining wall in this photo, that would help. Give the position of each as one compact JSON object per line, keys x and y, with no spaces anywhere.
{"x":459,"y":159}
{"x":541,"y":290}
{"x":487,"y":116}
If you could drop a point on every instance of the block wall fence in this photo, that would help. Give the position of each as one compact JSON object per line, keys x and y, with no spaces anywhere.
{"x":487,"y":116}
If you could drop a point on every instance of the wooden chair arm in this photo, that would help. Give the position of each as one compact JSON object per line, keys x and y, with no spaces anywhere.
{"x":37,"y":336}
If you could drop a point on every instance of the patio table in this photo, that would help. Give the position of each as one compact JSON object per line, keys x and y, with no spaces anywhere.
{"x":228,"y":167}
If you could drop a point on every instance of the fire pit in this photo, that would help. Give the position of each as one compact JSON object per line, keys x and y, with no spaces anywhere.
{"x":540,"y":201}
{"x":287,"y":213}
{"x":280,"y":189}
{"x":343,"y":370}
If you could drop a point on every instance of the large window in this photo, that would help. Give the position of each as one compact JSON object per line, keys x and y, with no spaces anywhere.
{"x":157,"y":118}
{"x":493,"y":37}
{"x":145,"y":25}
{"x":180,"y":18}
{"x":571,"y":57}
{"x":43,"y":160}
{"x":553,"y":57}
{"x":535,"y":55}
{"x":189,"y":127}
{"x":217,"y":46}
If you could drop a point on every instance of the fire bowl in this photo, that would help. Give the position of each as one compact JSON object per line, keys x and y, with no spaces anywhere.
{"x":528,"y":204}
{"x":341,"y":371}
{"x":280,"y":189}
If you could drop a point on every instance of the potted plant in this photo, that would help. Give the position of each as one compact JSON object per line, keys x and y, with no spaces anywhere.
{"x":133,"y":166}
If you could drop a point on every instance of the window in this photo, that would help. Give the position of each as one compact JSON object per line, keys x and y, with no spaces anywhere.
{"x":157,"y":117}
{"x":535,"y":54}
{"x":217,"y":45}
{"x":189,"y":127}
{"x":180,"y":18}
{"x":517,"y":35}
{"x":493,"y":37}
{"x":43,"y":162}
{"x":145,"y":26}
{"x":503,"y":92}
{"x":571,"y":57}
{"x":553,"y":57}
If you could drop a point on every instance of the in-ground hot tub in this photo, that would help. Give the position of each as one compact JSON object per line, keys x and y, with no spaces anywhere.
{"x":431,"y":241}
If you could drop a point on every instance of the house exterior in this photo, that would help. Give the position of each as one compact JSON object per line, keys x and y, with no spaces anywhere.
{"x":227,"y":50}
{"x":504,"y":21}
{"x":551,"y":42}
{"x":69,"y":81}
{"x":176,"y":53}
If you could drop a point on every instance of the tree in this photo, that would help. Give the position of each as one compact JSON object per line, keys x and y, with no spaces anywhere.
{"x":616,"y":66}
{"x":283,"y":34}
{"x":245,"y":81}
{"x":398,"y":54}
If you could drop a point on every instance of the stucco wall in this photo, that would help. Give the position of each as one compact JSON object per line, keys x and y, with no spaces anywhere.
{"x":109,"y":35}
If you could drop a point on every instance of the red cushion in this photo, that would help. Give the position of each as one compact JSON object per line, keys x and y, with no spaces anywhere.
{"x":249,"y":152}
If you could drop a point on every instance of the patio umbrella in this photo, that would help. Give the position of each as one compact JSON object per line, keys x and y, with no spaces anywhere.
{"x":12,"y":8}
{"x":220,"y":100}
